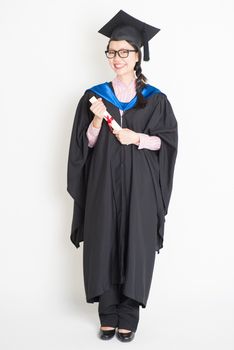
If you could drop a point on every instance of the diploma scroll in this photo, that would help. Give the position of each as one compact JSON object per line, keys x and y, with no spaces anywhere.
{"x":110,"y":120}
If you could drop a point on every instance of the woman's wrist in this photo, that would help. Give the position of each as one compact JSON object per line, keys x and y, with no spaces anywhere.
{"x":97,"y":122}
{"x":137,"y":142}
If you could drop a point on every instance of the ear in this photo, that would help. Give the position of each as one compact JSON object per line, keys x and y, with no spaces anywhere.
{"x":137,"y":56}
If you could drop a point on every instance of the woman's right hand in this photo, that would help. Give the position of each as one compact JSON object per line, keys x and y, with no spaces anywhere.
{"x":98,"y":108}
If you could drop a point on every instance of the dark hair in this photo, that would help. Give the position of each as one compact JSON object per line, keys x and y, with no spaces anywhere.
{"x":141,"y":80}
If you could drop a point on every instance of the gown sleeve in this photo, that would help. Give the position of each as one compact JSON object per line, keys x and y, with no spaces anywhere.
{"x":167,"y":129}
{"x":78,"y":166}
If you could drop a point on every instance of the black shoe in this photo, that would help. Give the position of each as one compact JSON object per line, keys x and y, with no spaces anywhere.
{"x":106,"y":334}
{"x":125,"y":336}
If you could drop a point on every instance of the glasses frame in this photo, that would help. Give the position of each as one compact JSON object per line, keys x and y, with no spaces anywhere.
{"x":117,"y":52}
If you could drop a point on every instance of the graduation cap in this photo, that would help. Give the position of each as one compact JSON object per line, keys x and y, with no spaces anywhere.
{"x":125,"y":27}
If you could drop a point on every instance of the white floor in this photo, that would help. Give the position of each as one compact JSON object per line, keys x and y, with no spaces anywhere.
{"x":174,"y":325}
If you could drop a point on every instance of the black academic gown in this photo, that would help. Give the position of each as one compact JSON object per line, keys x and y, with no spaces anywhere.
{"x":121,"y":196}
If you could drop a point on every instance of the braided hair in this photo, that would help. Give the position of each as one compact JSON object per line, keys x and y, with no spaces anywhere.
{"x":141,"y":80}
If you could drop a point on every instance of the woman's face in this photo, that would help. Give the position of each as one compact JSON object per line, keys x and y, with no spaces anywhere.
{"x":123,"y":66}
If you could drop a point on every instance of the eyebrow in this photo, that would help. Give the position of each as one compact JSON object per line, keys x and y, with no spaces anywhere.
{"x":123,"y":48}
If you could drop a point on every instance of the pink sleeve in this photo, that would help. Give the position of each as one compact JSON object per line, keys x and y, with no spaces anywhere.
{"x":150,"y":142}
{"x":92,"y":134}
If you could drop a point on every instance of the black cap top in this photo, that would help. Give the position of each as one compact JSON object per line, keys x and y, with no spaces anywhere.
{"x":125,"y":27}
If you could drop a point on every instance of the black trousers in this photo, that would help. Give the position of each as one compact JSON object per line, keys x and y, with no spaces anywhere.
{"x":117,"y":310}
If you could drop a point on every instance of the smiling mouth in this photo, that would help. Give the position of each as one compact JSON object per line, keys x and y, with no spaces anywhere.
{"x":119,"y":66}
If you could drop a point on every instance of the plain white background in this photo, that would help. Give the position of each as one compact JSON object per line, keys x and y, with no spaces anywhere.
{"x":50,"y":53}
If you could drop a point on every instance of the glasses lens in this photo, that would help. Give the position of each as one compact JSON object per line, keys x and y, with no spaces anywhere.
{"x":110,"y":54}
{"x":123,"y":53}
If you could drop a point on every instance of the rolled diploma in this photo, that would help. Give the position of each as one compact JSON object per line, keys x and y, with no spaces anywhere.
{"x":110,"y":120}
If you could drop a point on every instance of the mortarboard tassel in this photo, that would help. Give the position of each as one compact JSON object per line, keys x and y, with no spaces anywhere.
{"x":146,"y":46}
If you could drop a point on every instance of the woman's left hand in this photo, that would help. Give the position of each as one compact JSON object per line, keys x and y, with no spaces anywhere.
{"x":126,"y":136}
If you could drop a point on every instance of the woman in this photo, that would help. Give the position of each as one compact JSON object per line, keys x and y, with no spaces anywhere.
{"x":121,"y":181}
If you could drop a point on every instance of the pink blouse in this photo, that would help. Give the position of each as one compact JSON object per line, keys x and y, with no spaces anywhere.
{"x":125,"y":93}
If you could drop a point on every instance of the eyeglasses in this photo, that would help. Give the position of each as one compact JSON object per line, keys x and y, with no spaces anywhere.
{"x":123,"y":53}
